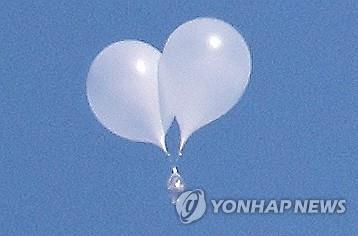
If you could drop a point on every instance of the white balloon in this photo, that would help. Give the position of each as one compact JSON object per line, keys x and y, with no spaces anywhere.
{"x":204,"y":70}
{"x":122,"y":90}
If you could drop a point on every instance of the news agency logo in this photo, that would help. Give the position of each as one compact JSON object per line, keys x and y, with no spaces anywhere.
{"x":191,"y":206}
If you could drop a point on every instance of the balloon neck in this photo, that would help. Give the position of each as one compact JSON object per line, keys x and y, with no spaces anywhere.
{"x":163,"y":146}
{"x":180,"y":153}
{"x":183,"y":140}
{"x":166,"y":152}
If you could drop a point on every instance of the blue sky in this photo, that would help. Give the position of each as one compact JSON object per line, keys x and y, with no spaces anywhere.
{"x":293,"y":134}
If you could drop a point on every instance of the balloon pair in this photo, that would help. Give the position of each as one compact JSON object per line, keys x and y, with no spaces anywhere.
{"x":136,"y":92}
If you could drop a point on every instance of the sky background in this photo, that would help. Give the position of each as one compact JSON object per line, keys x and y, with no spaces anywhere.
{"x":294,"y":134}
